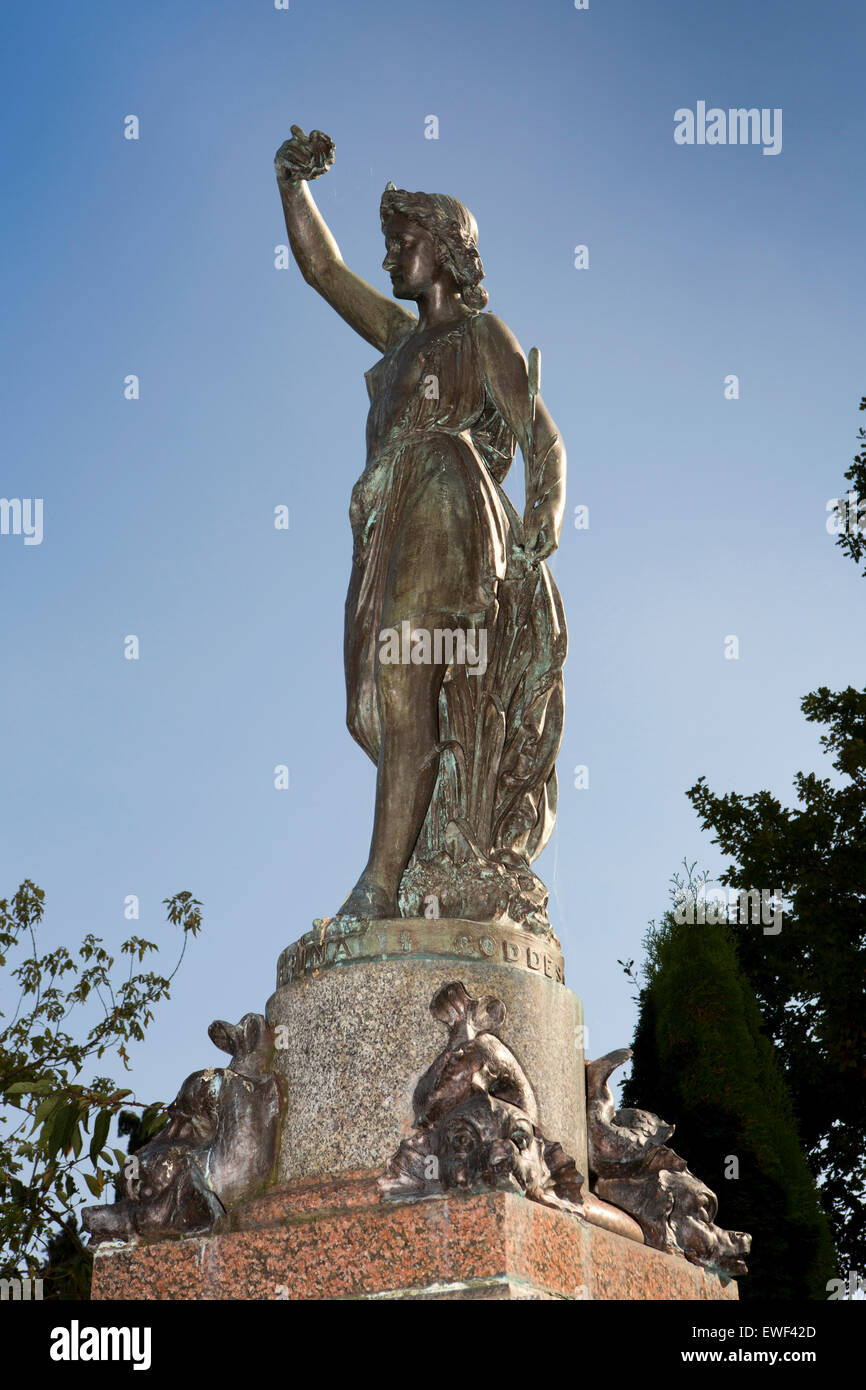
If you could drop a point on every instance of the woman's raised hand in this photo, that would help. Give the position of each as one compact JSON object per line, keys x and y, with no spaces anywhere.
{"x":304,"y":156}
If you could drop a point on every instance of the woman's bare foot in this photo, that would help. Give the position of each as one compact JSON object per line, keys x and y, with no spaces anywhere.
{"x":368,"y":899}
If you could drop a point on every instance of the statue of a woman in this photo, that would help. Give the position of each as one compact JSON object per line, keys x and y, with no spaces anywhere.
{"x":443,"y":567}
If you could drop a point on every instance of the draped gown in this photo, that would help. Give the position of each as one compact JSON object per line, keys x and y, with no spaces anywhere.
{"x":437,"y":542}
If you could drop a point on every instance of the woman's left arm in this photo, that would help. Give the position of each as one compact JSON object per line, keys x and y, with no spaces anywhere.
{"x":507,"y":378}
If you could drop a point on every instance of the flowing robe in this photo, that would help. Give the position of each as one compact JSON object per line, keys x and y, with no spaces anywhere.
{"x":437,"y":542}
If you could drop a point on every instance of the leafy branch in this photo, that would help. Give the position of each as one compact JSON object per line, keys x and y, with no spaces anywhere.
{"x":55,"y":1125}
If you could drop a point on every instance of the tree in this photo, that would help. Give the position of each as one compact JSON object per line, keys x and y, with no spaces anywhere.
{"x":809,"y":979}
{"x":851,"y":511}
{"x":702,"y":1061}
{"x":68,"y":1267}
{"x":47,"y":1109}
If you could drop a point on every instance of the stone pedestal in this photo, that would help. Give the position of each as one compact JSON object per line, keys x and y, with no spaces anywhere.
{"x":354,"y":1034}
{"x":334,"y":1239}
{"x":352,"y":1010}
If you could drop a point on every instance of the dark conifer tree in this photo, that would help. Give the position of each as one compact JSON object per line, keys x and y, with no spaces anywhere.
{"x":703,"y":1062}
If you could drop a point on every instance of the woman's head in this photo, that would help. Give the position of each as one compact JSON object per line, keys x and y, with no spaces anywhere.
{"x":421,"y":226}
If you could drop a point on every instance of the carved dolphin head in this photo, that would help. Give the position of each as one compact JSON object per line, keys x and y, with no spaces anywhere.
{"x":484,"y":1140}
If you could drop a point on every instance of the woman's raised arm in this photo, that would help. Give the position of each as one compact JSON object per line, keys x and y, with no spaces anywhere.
{"x":378,"y":319}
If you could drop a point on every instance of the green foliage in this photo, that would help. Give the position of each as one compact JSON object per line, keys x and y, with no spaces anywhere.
{"x":853,"y":539}
{"x":810,"y":980}
{"x":67,"y":1268}
{"x":54,"y":1126}
{"x":702,"y":1061}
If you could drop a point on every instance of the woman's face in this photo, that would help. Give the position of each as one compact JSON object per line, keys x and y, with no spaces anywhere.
{"x":410,"y":259}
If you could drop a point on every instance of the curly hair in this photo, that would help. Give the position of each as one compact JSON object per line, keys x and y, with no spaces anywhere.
{"x":454,"y":230}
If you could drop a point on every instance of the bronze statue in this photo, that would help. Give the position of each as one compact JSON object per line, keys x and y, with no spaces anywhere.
{"x":219,"y":1146}
{"x":454,"y":634}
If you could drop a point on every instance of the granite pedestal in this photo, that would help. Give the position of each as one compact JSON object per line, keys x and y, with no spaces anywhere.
{"x":335,"y":1240}
{"x":353,"y":1035}
{"x":354,"y":1032}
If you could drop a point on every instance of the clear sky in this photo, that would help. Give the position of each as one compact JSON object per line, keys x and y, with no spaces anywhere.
{"x":156,"y":257}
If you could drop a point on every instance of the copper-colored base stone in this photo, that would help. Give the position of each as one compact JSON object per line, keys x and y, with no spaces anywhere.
{"x":334,"y":1239}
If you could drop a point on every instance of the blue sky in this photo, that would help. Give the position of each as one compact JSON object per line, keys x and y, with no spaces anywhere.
{"x":707,"y":516}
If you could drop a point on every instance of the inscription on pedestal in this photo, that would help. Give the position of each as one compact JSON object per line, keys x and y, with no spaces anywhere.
{"x":341,"y":941}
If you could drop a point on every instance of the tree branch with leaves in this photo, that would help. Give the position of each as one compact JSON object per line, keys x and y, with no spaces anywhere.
{"x":54,"y":1124}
